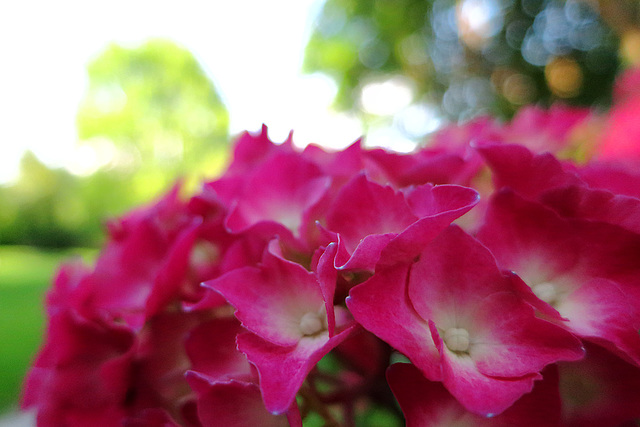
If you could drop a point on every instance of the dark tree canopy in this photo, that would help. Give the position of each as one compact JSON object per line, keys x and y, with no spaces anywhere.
{"x":468,"y":57}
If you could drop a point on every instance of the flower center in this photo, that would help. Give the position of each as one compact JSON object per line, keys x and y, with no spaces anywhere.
{"x":204,"y":254}
{"x":311,"y":324}
{"x":546,"y":291}
{"x":457,"y":339}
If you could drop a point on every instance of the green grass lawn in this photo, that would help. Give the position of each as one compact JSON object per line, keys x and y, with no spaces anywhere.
{"x":25,"y":276}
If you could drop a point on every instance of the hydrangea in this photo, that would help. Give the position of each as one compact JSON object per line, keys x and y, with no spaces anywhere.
{"x":490,"y":278}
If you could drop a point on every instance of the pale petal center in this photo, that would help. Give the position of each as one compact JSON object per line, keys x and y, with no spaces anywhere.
{"x":204,"y":254}
{"x":312,"y":323}
{"x":546,"y":291}
{"x":456,"y":339}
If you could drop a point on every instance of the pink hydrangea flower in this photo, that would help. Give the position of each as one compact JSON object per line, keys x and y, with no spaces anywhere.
{"x":584,"y":270}
{"x":290,"y":314}
{"x":461,"y":321}
{"x":282,"y":291}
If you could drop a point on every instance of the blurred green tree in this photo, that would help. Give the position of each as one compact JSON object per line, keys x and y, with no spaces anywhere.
{"x":36,"y":209}
{"x":468,"y":57}
{"x":150,"y":115}
{"x":155,"y":113}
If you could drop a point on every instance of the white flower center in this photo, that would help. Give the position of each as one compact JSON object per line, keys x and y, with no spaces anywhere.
{"x":457,"y":339}
{"x":312,"y":323}
{"x":203,"y":254}
{"x":546,"y":291}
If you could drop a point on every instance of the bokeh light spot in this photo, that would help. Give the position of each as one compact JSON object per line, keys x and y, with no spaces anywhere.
{"x":519,"y":89}
{"x":564,"y":77}
{"x":478,"y":21}
{"x":387,"y":97}
{"x":630,"y":46}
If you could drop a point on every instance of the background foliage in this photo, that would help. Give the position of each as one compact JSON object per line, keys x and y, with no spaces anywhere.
{"x":467,"y":57}
{"x":150,"y":115}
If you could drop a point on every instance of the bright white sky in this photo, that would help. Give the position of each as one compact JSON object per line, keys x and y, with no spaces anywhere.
{"x":252,"y":49}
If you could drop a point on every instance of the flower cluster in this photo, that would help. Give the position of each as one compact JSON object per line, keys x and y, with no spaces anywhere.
{"x":490,"y":279}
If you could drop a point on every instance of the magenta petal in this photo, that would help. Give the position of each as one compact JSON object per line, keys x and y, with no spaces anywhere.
{"x":526,"y":294}
{"x":620,"y":141}
{"x":528,"y":174}
{"x":613,"y":176}
{"x":251,"y":150}
{"x":70,"y":277}
{"x":211,"y":347}
{"x":232,"y":404}
{"x":126,"y":270}
{"x":83,"y":371}
{"x":382,"y":307}
{"x":272,"y":300}
{"x":541,"y":129}
{"x":429,"y":404}
{"x":233,"y":286}
{"x":282,"y":370}
{"x":375,"y":222}
{"x":173,"y":273}
{"x":595,"y":205}
{"x":366,"y":254}
{"x":454,"y":273}
{"x":327,"y":277}
{"x":438,"y":166}
{"x":450,"y":201}
{"x":227,"y":189}
{"x":270,"y":194}
{"x":97,"y":417}
{"x":439,"y":206}
{"x":599,"y":310}
{"x":529,"y":238}
{"x":364,"y":208}
{"x":515,"y":342}
{"x":341,"y":165}
{"x":477,"y":392}
{"x":424,"y":403}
